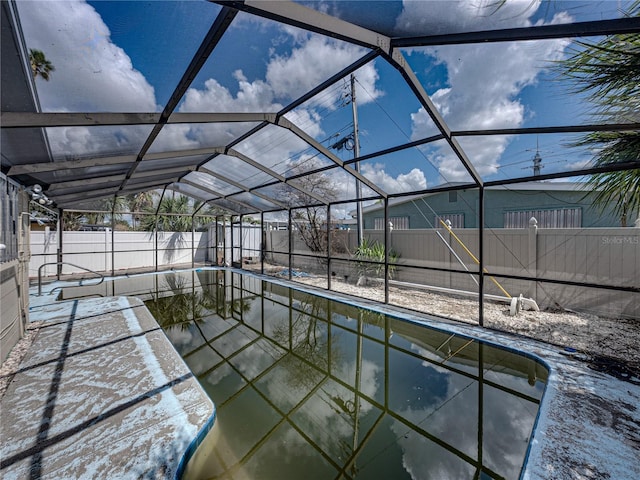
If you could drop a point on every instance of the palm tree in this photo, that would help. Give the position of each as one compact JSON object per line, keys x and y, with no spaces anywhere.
{"x":174,"y":214}
{"x":39,"y":64}
{"x":608,"y":71}
{"x":103,"y":209}
{"x":140,"y":202}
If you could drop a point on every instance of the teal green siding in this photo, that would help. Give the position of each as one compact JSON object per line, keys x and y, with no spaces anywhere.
{"x":422,"y":211}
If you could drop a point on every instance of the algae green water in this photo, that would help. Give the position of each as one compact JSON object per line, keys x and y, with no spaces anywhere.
{"x":307,"y":387}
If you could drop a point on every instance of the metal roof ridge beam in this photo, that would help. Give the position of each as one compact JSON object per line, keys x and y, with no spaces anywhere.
{"x":75,"y":119}
{"x":220,"y":196}
{"x":240,"y":186}
{"x":397,"y":59}
{"x":70,"y":164}
{"x":539,"y":32}
{"x":97,"y":193}
{"x":276,"y":175}
{"x":83,"y":181}
{"x":291,"y":13}
{"x":218,"y":117}
{"x":602,"y":127}
{"x":214,"y":35}
{"x":284,"y":123}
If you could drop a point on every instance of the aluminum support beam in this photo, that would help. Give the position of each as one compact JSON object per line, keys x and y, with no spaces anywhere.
{"x":44,"y":120}
{"x":603,"y":127}
{"x":283,"y":122}
{"x":541,"y":32}
{"x":291,"y":13}
{"x":70,"y":164}
{"x":221,"y":117}
{"x":220,"y":196}
{"x":149,"y":157}
{"x":405,"y":70}
{"x":94,"y":119}
{"x":241,"y":187}
{"x":211,"y":40}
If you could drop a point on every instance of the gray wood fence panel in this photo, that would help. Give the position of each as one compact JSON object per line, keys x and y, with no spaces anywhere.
{"x":11,"y":320}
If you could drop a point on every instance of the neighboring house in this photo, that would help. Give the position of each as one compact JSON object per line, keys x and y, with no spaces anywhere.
{"x":553,"y":204}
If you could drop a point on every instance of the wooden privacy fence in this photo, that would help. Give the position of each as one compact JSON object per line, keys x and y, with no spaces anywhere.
{"x":598,"y":256}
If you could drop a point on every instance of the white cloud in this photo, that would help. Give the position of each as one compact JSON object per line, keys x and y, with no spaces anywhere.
{"x":435,"y":17}
{"x":91,"y":72}
{"x":484,"y":84}
{"x":405,"y":182}
{"x":94,"y":74}
{"x":315,"y":60}
{"x":251,"y":97}
{"x":256,"y":96}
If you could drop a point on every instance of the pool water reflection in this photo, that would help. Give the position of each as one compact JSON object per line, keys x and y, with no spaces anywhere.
{"x":306,"y":387}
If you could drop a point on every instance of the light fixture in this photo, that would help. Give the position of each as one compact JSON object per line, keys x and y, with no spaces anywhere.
{"x":36,"y":195}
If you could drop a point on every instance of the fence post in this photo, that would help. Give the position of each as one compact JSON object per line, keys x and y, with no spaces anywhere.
{"x":59,"y":255}
{"x":449,"y":253}
{"x":532,"y":265}
{"x":107,"y":233}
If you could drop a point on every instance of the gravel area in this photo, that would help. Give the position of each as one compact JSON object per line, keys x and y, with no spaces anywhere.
{"x":17,"y":353}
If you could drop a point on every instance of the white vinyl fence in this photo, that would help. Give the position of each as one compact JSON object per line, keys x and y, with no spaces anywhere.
{"x":93,"y":250}
{"x":234,"y":242}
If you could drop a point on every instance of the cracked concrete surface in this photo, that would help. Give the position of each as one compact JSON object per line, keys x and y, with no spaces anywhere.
{"x":100,"y":393}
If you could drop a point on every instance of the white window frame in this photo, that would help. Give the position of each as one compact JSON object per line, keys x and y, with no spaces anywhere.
{"x":399,"y":223}
{"x":546,"y":218}
{"x":456,"y":219}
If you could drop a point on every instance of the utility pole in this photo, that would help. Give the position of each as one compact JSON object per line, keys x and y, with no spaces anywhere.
{"x":537,"y":161}
{"x":356,"y":154}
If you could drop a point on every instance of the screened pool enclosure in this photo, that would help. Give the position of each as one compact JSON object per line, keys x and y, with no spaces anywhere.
{"x":291,"y":126}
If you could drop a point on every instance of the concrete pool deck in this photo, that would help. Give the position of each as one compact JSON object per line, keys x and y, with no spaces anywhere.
{"x":77,"y":409}
{"x":101,"y":393}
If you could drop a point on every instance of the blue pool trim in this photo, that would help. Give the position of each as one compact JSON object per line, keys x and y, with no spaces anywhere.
{"x":193,"y":446}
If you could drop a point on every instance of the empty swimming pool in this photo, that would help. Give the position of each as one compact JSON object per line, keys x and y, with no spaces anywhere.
{"x":308,"y":387}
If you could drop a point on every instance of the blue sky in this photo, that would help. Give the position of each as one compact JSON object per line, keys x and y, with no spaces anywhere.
{"x":129,"y":56}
